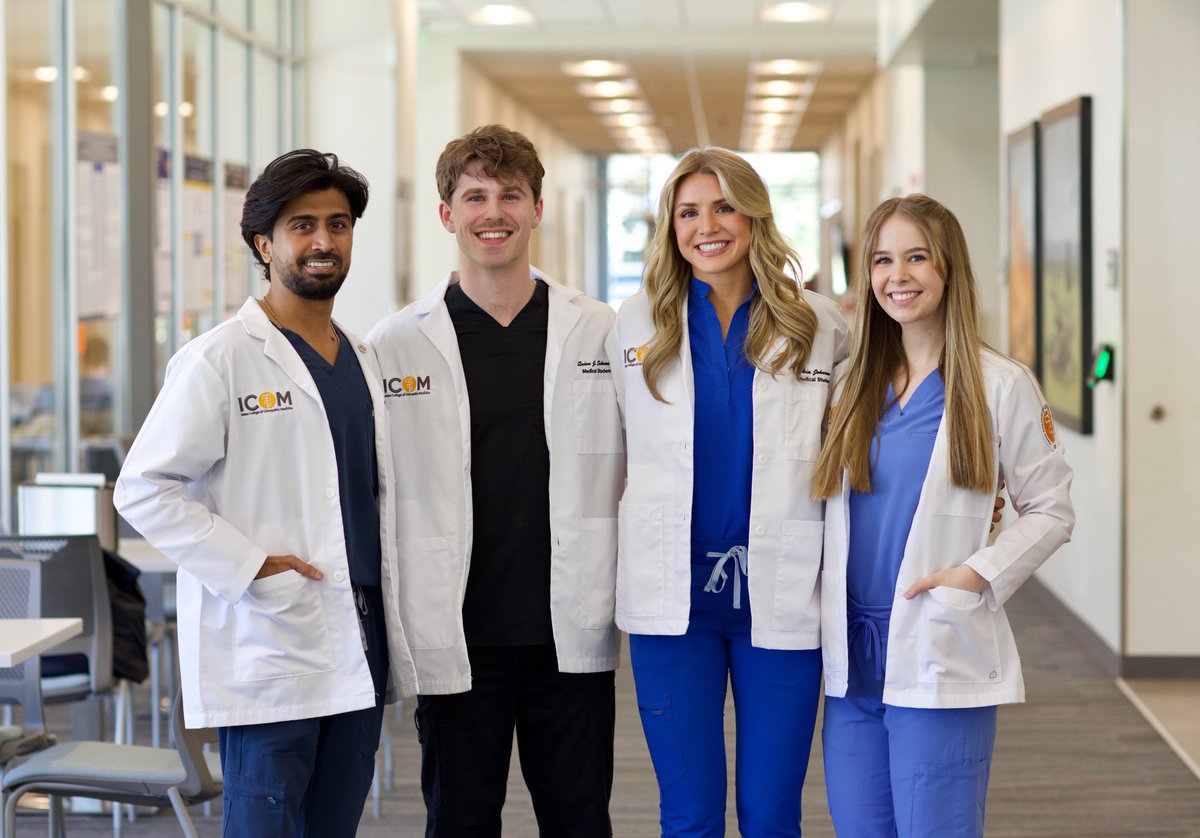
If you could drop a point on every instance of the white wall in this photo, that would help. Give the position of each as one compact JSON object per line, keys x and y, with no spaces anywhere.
{"x":1052,"y":51}
{"x":455,"y":97}
{"x":350,"y":109}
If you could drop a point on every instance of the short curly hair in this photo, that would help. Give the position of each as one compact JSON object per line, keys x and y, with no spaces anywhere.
{"x":498,"y":152}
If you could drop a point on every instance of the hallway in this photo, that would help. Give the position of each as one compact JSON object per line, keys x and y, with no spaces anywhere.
{"x":1078,"y":759}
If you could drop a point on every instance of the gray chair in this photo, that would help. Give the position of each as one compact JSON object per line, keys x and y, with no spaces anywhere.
{"x":20,"y":597}
{"x":135,"y":774}
{"x":74,"y":585}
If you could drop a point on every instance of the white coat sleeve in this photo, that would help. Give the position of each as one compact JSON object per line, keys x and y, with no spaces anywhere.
{"x":163,"y":483}
{"x":1038,"y":479}
{"x":616,"y":363}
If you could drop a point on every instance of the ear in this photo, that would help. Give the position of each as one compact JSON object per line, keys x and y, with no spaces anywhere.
{"x":446,"y":216}
{"x":263,"y":245}
{"x":537,"y":214}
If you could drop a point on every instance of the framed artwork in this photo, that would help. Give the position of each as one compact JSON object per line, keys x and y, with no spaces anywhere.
{"x":1024,"y":229}
{"x":1065,"y":293}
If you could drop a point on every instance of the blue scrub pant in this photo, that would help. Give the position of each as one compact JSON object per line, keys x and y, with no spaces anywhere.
{"x":681,"y":684}
{"x":308,"y":777}
{"x":901,"y":771}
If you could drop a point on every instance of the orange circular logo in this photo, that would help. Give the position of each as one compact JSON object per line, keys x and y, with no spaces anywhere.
{"x":409,"y":383}
{"x":641,"y":353}
{"x":266,"y":400}
{"x":1048,"y":426}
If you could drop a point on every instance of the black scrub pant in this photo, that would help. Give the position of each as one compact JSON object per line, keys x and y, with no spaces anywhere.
{"x":564,"y":729}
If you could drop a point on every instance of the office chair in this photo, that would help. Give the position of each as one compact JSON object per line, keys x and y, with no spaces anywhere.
{"x":20,"y":597}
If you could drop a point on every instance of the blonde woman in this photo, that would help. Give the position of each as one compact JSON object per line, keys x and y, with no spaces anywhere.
{"x":929,"y":422}
{"x":723,"y":367}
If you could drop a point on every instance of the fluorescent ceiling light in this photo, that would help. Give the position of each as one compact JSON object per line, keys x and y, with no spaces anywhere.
{"x":186,"y":109}
{"x":795,"y":12}
{"x":611,"y":89}
{"x":81,"y":74}
{"x":776,"y":105}
{"x":595,"y":68}
{"x":767,"y":119}
{"x":619,"y":106}
{"x":46,"y":74}
{"x":627,"y":120}
{"x":109,"y":93}
{"x":787,"y":67}
{"x":781,"y":87}
{"x":160,"y":109}
{"x":500,"y":15}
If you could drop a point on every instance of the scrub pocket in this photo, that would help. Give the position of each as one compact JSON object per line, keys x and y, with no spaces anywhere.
{"x":666,"y":753}
{"x":252,"y":809}
{"x":948,"y":800}
{"x":279,"y":629}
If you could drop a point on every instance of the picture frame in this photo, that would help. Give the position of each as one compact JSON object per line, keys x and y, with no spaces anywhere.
{"x":1024,"y":232}
{"x":1065,"y":259}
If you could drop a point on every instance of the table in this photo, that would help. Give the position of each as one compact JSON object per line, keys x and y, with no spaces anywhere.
{"x":147,"y":558}
{"x":21,"y":639}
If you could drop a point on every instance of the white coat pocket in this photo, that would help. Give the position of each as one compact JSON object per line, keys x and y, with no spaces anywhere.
{"x":805,"y":412}
{"x":597,"y":421}
{"x":279,"y":629}
{"x":640,"y":565}
{"x":598,"y":576}
{"x":956,"y":639}
{"x":797,"y":605}
{"x":432,"y":578}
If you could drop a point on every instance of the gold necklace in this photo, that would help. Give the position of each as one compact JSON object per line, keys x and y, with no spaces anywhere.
{"x":278,"y":323}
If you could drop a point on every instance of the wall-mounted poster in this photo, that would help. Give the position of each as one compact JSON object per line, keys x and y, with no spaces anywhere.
{"x":1023,"y":231}
{"x":1066,"y":261}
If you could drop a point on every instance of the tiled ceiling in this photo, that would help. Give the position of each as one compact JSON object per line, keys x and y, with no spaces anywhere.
{"x":697,"y":66}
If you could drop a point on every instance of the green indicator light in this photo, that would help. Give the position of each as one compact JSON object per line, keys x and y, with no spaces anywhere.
{"x":1102,"y":362}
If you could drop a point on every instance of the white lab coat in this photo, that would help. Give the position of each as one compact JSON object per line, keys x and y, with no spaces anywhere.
{"x":429,"y":411}
{"x":234,"y":463}
{"x":784,"y":553}
{"x":948,"y":647}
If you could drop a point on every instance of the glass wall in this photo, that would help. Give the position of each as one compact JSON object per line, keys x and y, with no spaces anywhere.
{"x":219,"y":71}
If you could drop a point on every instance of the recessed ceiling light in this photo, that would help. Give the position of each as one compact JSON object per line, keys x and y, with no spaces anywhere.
{"x":627,"y":120}
{"x":787,"y":67}
{"x":109,"y":93}
{"x":160,"y":109}
{"x":781,"y":87}
{"x":500,"y":15}
{"x":611,"y":89}
{"x":46,"y":74}
{"x":186,"y":109}
{"x":81,"y":74}
{"x":619,"y":106}
{"x":795,"y":12}
{"x":768,"y":119}
{"x":595,"y":68}
{"x":775,"y":104}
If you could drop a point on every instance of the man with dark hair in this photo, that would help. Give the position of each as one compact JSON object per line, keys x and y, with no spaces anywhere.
{"x":501,"y":401}
{"x":263,"y":471}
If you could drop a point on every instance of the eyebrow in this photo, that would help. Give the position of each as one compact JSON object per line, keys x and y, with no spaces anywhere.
{"x":311,"y":217}
{"x":506,"y":187}
{"x":910,"y":250}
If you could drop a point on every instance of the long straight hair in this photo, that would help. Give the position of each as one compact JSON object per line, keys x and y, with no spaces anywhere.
{"x":777,"y":310}
{"x":877,"y":359}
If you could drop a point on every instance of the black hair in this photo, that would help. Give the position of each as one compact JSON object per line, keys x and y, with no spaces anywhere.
{"x":290,"y":175}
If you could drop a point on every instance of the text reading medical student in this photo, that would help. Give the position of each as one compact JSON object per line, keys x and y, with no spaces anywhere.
{"x":510,"y":461}
{"x":723,"y":367}
{"x":263,"y":471}
{"x":918,"y":650}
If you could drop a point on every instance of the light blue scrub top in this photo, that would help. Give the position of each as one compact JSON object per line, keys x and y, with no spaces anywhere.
{"x":724,"y":421}
{"x":880,"y":521}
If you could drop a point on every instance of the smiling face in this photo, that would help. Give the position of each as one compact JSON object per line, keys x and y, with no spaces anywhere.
{"x":309,"y":247}
{"x":903,"y":279}
{"x":712,"y":236}
{"x":492,"y":221}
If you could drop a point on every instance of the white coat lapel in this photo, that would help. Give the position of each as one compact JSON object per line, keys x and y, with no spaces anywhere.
{"x":277,"y":347}
{"x":560,"y":322}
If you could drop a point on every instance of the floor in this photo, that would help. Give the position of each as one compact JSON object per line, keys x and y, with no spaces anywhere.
{"x":1078,"y":759}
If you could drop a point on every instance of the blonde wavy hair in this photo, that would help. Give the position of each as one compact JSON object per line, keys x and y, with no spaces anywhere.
{"x":877,"y":359}
{"x":778,"y":310}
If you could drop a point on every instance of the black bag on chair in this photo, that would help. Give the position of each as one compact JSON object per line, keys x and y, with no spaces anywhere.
{"x":128,"y":619}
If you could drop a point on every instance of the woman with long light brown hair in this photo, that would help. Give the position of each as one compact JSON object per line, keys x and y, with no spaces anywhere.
{"x":723,"y":367}
{"x":928,"y":422}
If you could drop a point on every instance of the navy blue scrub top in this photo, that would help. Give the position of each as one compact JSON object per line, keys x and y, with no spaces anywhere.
{"x":881,"y":520}
{"x":348,"y":406}
{"x":724,"y":420}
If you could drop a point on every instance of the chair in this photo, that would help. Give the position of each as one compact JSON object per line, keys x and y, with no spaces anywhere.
{"x":135,"y":774}
{"x":74,"y":585}
{"x":20,"y":596}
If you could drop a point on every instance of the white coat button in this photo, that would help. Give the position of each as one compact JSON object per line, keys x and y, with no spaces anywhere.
{"x":760,"y":529}
{"x":762,"y":386}
{"x":339,"y":577}
{"x":992,"y":675}
{"x":762,"y":458}
{"x":329,"y":493}
{"x":362,"y":348}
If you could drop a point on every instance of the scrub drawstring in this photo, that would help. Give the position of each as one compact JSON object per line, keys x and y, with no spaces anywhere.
{"x":865,"y":623}
{"x":716,"y":581}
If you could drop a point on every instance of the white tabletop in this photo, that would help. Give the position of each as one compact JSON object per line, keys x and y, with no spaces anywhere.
{"x":22,"y":639}
{"x":147,"y":559}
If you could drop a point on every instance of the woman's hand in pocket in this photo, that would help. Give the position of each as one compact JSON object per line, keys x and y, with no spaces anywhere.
{"x":962,"y":577}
